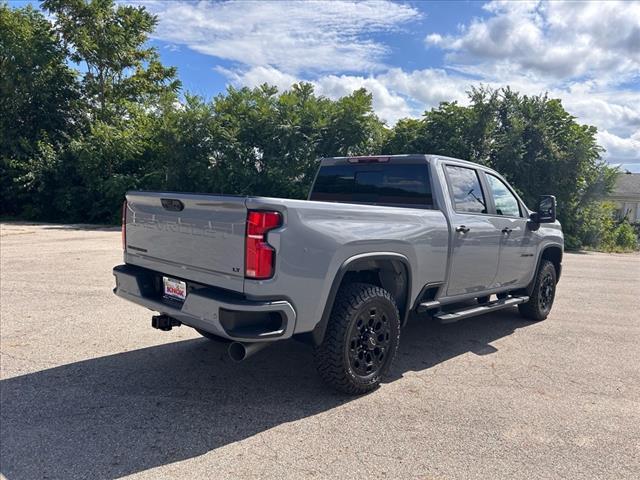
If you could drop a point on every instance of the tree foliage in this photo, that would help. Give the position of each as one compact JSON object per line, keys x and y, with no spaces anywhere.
{"x":108,"y":41}
{"x":89,"y":111}
{"x":39,"y":97}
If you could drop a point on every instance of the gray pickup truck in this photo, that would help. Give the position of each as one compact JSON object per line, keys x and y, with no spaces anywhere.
{"x":380,"y":239}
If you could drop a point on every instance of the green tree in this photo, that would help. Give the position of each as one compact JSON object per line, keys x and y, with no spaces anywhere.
{"x":353,"y":128}
{"x":184,"y":139}
{"x":407,"y":136}
{"x":267,"y":143}
{"x":38,"y":103}
{"x":108,"y":42}
{"x":123,"y":83}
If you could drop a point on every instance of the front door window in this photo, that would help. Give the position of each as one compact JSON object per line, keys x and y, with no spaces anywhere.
{"x":506,"y":203}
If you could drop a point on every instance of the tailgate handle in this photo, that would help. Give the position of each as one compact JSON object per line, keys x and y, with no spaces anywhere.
{"x":172,"y":204}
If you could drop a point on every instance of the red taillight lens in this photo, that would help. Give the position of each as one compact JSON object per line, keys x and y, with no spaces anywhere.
{"x":259,"y":255}
{"x":124,"y":225}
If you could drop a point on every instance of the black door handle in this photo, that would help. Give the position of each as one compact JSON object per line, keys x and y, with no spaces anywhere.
{"x":462,"y":229}
{"x":507,"y":230}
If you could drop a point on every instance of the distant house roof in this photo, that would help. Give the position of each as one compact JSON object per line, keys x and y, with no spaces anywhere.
{"x":627,"y":185}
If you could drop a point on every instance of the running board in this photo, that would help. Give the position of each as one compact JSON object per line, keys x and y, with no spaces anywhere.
{"x":450,"y":317}
{"x":430,"y":305}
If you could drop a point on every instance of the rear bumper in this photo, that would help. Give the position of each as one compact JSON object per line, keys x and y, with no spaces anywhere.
{"x":207,"y":308}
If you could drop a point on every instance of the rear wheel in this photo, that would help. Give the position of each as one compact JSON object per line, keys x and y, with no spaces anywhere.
{"x":361,"y":340}
{"x":544,"y":291}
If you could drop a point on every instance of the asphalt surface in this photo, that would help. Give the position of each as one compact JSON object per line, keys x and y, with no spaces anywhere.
{"x":89,"y":390}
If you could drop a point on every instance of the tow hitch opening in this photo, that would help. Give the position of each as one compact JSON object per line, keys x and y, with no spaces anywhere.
{"x":164,"y":322}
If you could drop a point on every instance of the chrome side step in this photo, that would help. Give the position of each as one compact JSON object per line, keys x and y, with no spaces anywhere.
{"x":450,"y":317}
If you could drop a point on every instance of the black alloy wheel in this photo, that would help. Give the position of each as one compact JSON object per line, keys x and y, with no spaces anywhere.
{"x":361,"y":339}
{"x":369,"y":341}
{"x":543,"y":294}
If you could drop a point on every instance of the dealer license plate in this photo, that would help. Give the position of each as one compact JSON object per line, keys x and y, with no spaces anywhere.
{"x":174,"y":289}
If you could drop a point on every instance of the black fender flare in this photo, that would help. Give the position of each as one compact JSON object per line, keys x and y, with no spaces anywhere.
{"x":531,"y":284}
{"x":321,"y":327}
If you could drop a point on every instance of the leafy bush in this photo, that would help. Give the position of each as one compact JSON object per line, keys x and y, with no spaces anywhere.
{"x":622,"y":238}
{"x":595,"y":222}
{"x":601,"y":231}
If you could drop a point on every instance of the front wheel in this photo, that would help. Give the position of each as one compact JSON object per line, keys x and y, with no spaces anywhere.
{"x":544,"y":291}
{"x":361,"y":340}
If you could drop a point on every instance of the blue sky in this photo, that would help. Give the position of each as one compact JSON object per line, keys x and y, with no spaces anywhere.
{"x":412,"y":55}
{"x":406,"y":47}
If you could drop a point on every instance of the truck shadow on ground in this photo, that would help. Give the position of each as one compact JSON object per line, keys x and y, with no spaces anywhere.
{"x":116,"y":415}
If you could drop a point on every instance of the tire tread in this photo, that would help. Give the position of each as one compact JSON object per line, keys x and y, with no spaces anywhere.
{"x":329,"y":354}
{"x":531,"y":309}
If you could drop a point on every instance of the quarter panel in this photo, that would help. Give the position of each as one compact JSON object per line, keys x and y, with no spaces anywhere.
{"x":318,"y":237}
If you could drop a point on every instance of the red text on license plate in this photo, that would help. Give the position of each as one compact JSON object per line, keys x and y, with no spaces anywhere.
{"x":174,"y":288}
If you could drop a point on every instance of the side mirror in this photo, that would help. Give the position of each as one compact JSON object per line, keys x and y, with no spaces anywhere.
{"x":546,"y":211}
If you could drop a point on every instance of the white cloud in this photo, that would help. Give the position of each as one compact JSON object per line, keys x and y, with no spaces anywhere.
{"x":294,"y":37}
{"x":624,"y":150}
{"x":551,"y":40}
{"x":614,"y":110}
{"x":427,"y":87}
{"x":580,"y":52}
{"x":388,"y":104}
{"x":256,"y":76}
{"x":398,"y":94}
{"x":433,"y":39}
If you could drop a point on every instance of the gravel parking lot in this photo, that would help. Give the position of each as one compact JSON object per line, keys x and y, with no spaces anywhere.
{"x":90,"y":390}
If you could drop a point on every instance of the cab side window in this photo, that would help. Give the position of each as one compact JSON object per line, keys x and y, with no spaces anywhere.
{"x":506,"y":203}
{"x":466,"y":190}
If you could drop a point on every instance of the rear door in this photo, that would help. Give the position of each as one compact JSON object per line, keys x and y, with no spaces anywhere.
{"x":192,"y":237}
{"x":476,"y":238}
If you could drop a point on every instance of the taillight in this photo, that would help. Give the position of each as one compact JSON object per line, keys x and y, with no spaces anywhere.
{"x":124,"y":225}
{"x":259,"y":255}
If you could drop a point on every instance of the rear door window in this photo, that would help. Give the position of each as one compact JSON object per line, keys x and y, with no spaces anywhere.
{"x":466,"y":191}
{"x":376,"y":184}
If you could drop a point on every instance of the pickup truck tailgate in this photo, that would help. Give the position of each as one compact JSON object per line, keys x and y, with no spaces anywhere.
{"x":193,"y":237}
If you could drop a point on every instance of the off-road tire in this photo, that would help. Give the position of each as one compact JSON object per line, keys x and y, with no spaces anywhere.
{"x":353,"y":332}
{"x":544,"y":290}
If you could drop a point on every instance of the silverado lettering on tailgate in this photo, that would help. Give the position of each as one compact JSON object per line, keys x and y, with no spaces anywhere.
{"x":209,"y":229}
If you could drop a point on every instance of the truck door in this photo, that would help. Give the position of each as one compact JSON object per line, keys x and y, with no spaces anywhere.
{"x":517,"y":243}
{"x":475,"y":235}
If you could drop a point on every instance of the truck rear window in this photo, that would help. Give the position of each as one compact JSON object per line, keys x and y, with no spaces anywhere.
{"x":377,"y":184}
